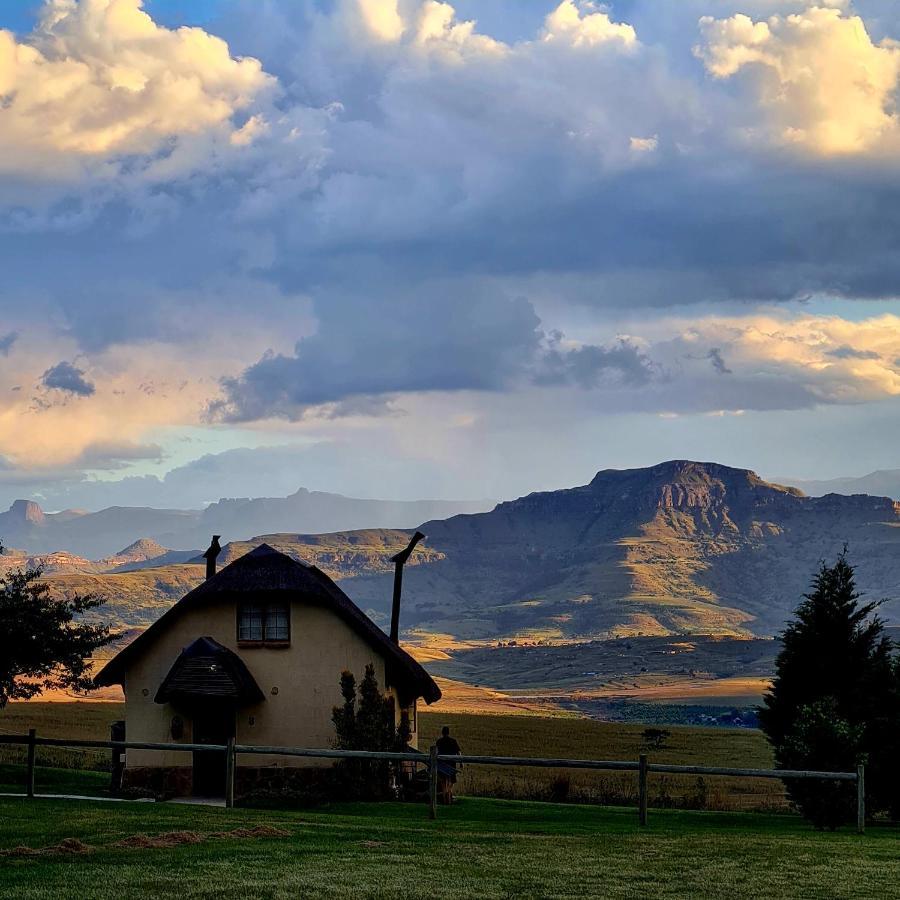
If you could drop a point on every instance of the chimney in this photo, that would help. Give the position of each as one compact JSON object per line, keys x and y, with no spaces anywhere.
{"x":211,"y":555}
{"x":398,"y":562}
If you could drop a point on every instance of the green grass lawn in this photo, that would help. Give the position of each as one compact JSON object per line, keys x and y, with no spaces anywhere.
{"x":479,"y":848}
{"x":49,"y":780}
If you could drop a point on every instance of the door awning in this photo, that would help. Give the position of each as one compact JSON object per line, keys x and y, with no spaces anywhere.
{"x":207,"y":670}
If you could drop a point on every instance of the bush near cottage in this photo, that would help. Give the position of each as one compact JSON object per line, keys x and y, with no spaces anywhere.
{"x":365,"y":721}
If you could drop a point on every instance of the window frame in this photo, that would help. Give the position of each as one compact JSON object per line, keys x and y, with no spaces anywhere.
{"x":267,"y":613}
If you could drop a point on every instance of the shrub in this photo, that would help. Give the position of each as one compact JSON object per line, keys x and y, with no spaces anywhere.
{"x":365,"y":721}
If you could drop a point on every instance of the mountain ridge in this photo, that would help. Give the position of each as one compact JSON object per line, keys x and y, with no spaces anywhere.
{"x":100,"y":534}
{"x":678,"y":548}
{"x":882,"y":482}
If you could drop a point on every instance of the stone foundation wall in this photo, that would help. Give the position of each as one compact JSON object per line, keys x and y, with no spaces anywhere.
{"x":162,"y":781}
{"x":177,"y":781}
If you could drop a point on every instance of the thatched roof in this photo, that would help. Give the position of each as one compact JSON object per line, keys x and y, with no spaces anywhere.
{"x":267,"y":575}
{"x":208,"y":671}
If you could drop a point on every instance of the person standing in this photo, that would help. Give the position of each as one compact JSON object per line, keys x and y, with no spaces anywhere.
{"x":447,"y":746}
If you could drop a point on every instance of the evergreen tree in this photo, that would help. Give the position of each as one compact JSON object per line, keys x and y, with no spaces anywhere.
{"x":365,"y":721}
{"x":833,"y":702}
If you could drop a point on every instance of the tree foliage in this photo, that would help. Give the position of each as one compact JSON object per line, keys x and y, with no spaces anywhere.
{"x":833,"y":702}
{"x":365,"y":721}
{"x":43,"y":643}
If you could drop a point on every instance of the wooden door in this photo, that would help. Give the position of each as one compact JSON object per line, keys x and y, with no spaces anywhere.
{"x":211,"y":726}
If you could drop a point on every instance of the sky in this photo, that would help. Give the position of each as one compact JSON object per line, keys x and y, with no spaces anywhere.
{"x":409,"y":249}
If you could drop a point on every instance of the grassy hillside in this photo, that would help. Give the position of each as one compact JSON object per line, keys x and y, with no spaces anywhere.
{"x":139,"y":597}
{"x":133,"y":599}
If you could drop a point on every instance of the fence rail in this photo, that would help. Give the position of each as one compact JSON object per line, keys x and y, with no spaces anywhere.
{"x":642,"y":766}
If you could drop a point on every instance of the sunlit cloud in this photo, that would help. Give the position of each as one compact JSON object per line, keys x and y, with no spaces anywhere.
{"x":100,"y":77}
{"x":819,"y":80}
{"x":579,"y":26}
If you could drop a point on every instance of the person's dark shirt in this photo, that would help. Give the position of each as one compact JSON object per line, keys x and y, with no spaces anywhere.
{"x":447,"y":746}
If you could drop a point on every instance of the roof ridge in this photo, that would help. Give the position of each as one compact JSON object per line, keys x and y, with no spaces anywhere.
{"x":301,"y":580}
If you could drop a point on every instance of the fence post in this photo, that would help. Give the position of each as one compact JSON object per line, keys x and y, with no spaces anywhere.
{"x":642,"y":789}
{"x":229,"y":773}
{"x":432,"y":781}
{"x":860,"y":799}
{"x":29,"y":777}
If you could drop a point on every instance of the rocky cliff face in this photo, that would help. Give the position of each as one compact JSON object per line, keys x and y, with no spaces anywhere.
{"x":26,"y":512}
{"x":679,"y":547}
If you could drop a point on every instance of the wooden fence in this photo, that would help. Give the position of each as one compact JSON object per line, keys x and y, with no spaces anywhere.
{"x":642,"y":766}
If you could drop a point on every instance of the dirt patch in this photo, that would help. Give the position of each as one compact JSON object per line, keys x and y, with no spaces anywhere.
{"x":164,"y":841}
{"x":257,"y":831}
{"x":67,"y":845}
{"x":170,"y":839}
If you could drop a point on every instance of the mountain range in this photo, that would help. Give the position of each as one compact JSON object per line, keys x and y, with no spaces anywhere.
{"x":679,"y":548}
{"x":883,"y":483}
{"x":100,"y":534}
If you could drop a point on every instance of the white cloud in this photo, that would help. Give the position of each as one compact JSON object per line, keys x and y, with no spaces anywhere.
{"x":644,"y":145}
{"x":382,"y":19}
{"x":579,"y":25}
{"x":816,"y":76}
{"x":99,"y":78}
{"x":437,"y":28}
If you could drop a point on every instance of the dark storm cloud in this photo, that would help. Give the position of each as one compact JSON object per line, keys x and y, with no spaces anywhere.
{"x":847,"y":352}
{"x":66,"y":377}
{"x":591,"y":366}
{"x":718,"y":362}
{"x":398,"y":345}
{"x":114,"y":455}
{"x":7,"y":341}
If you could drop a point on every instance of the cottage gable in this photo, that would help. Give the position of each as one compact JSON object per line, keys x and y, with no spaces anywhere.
{"x":267,"y":576}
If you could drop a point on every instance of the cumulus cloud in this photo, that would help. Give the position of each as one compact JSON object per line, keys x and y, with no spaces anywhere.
{"x":817,"y":76}
{"x":68,"y":378}
{"x":579,"y":26}
{"x":421,"y":201}
{"x":381,"y":18}
{"x":776,"y":362}
{"x":100,"y":77}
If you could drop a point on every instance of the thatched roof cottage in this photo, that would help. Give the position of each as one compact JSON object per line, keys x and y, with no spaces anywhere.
{"x":256,"y":653}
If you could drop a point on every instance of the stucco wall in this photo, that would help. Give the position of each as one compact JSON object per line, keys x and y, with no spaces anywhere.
{"x":306,"y":675}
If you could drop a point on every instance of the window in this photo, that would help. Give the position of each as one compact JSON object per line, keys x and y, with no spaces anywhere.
{"x":277,"y":627}
{"x":264,"y":623}
{"x":408,"y":717}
